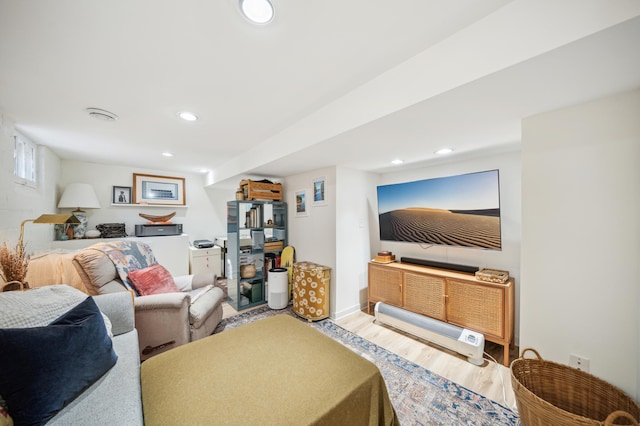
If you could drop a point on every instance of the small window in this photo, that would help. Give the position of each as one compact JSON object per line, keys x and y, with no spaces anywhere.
{"x":24,"y":154}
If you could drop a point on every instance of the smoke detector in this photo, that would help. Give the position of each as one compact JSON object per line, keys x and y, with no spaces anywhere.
{"x":102,"y":114}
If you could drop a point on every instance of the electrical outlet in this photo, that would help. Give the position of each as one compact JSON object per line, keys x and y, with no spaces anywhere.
{"x":579,"y":362}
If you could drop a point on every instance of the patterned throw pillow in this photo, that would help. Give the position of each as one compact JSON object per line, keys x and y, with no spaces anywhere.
{"x":153,"y":280}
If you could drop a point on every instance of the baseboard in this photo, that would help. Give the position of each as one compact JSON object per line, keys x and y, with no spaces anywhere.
{"x":337,"y":316}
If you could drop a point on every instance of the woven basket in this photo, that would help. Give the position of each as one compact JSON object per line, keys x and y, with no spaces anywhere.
{"x":548,"y":393}
{"x":15,"y":285}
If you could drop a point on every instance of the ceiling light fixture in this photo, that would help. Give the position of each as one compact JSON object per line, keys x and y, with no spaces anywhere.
{"x":444,"y":151}
{"x":167,"y":154}
{"x":397,"y":161}
{"x":101,"y":114}
{"x":187,"y":116}
{"x":257,"y":11}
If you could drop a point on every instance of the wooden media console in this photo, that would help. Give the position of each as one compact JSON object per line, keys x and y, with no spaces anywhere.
{"x":454,"y":297}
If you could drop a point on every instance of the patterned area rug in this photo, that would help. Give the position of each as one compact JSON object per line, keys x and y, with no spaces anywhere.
{"x":419,"y":396}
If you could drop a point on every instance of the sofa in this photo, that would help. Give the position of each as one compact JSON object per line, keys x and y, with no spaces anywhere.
{"x":115,"y":397}
{"x":164,"y":321}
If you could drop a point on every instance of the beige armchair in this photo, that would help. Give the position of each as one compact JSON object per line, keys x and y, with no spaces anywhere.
{"x":166,"y":320}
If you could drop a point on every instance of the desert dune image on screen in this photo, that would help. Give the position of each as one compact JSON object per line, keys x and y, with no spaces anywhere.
{"x":461,"y":210}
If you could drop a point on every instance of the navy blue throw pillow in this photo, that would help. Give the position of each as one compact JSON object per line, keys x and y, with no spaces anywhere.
{"x":44,"y":368}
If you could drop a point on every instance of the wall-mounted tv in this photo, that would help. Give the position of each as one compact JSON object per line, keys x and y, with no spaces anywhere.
{"x":461,"y":211}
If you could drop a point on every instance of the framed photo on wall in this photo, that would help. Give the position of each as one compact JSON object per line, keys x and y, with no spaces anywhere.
{"x":121,"y":195}
{"x":301,"y":203}
{"x":160,"y":190}
{"x":319,"y":191}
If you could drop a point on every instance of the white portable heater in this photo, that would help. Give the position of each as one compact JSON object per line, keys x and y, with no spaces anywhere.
{"x":461,"y":340}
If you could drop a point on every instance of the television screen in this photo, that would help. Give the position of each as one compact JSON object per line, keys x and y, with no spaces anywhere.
{"x":462,"y":211}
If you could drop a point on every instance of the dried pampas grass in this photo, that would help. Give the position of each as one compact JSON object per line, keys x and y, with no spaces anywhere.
{"x":13,"y":264}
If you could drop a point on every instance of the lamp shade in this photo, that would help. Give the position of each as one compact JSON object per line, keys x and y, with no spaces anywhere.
{"x":79,"y":195}
{"x":52,"y":219}
{"x":55,"y":219}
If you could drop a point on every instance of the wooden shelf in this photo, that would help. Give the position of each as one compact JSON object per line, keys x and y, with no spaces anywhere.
{"x":254,"y":213}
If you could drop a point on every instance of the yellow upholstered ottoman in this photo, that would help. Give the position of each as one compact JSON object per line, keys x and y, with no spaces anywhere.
{"x":311,"y":284}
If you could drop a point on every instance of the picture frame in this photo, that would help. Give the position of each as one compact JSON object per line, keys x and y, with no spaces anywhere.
{"x":121,"y":195}
{"x":158,"y":190}
{"x":319,"y":191}
{"x":301,"y":201}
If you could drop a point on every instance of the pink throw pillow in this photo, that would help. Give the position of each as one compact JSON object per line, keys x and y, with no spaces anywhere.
{"x":153,"y":280}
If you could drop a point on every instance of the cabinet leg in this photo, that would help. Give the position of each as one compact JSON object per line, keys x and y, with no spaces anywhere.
{"x":505,"y":359}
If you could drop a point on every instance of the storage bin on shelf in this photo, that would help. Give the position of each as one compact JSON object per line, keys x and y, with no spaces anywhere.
{"x":548,"y":393}
{"x":261,"y":190}
{"x":252,"y":290}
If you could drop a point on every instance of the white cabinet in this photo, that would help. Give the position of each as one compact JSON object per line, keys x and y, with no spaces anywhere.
{"x":203,"y":260}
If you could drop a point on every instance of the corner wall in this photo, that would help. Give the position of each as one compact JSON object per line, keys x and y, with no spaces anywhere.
{"x":19,"y":202}
{"x":313,"y":236}
{"x":580,"y":236}
{"x":355,"y":190}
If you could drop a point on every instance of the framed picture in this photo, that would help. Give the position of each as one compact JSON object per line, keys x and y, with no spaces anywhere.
{"x":162,"y":190}
{"x":121,"y":195}
{"x":319,"y":194}
{"x":301,"y":203}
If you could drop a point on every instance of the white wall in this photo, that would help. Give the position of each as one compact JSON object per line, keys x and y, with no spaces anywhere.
{"x":203,"y":218}
{"x":508,"y":163}
{"x":19,"y":202}
{"x":580,"y":236}
{"x":313,"y":237}
{"x":355,"y":190}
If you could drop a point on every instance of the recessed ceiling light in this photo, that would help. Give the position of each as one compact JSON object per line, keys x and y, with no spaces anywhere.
{"x":397,"y":161}
{"x":188,"y":116}
{"x":167,"y":154}
{"x":443,"y":151}
{"x":257,"y":11}
{"x":101,"y":114}
{"x":203,"y":170}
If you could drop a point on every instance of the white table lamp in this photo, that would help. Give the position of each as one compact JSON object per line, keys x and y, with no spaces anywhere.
{"x":79,"y":196}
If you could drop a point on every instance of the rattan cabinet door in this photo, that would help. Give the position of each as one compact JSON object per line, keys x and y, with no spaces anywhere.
{"x":385,"y":285}
{"x":424,"y":294}
{"x":476,"y":306}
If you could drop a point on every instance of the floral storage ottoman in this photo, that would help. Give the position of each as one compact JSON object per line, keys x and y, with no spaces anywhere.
{"x":311,"y":290}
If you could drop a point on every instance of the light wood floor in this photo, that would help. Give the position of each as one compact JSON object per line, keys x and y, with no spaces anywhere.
{"x":484,"y":379}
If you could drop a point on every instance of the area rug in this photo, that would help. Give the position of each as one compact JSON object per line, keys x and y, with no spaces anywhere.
{"x":419,"y":396}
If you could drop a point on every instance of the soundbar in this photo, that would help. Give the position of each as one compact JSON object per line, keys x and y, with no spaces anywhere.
{"x":440,"y":265}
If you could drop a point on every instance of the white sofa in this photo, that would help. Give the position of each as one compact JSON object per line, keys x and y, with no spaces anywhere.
{"x":115,"y":397}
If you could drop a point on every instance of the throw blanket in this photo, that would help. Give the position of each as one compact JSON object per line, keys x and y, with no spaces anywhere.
{"x":127,"y":256}
{"x":323,"y":383}
{"x":37,"y":307}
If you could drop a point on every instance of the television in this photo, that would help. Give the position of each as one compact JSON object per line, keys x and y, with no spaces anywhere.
{"x":460,"y":211}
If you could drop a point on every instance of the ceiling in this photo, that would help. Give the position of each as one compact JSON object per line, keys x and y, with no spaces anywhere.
{"x":355,"y":83}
